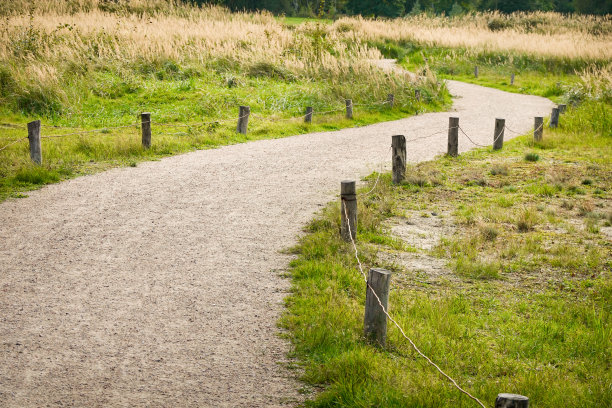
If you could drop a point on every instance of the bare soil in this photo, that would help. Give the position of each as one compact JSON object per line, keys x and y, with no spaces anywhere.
{"x":161,"y":285}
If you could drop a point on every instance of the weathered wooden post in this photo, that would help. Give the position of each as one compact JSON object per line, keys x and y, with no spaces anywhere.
{"x":348,"y":210}
{"x":562,"y":107}
{"x":512,"y":79}
{"x":145,"y":127}
{"x":34,"y":139}
{"x":375,"y":320}
{"x":398,"y":158}
{"x":417,"y":95}
{"x":476,"y":71}
{"x":554,"y":118}
{"x":390,"y":100}
{"x":511,"y":401}
{"x":453,"y":137}
{"x":538,"y":128}
{"x":243,"y":119}
{"x":308,"y":116}
{"x":349,"y":108}
{"x":498,"y":134}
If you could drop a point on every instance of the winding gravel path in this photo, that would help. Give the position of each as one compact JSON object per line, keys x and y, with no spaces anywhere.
{"x":160,"y":285}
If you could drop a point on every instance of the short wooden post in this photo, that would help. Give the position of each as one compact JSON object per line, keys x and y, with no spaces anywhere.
{"x":498,"y":134}
{"x":375,"y":320}
{"x":348,"y":210}
{"x":512,"y":79}
{"x":398,"y":158}
{"x":417,"y":95}
{"x":390,"y":100}
{"x":538,"y":128}
{"x":34,"y":139}
{"x":308,"y":116}
{"x":562,"y":107}
{"x":554,"y":118}
{"x":349,"y":108}
{"x":453,"y":137}
{"x":511,"y":401}
{"x":243,"y":119}
{"x":145,"y":127}
{"x":476,"y":71}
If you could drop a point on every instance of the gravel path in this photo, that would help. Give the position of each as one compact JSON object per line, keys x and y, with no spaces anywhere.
{"x":160,"y":285}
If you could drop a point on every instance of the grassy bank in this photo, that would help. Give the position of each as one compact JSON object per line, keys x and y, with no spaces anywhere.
{"x":502,"y":275}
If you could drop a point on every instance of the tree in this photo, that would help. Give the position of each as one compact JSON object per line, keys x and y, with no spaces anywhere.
{"x":456,"y":10}
{"x":416,"y":8}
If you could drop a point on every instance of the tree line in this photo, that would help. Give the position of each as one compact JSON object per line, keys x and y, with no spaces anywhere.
{"x":397,"y":8}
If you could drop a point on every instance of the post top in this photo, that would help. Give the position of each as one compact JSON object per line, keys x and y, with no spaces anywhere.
{"x":348,"y":187}
{"x":34,"y":122}
{"x":515,"y":397}
{"x":500,"y":119}
{"x":145,"y":113}
{"x":381,"y":271}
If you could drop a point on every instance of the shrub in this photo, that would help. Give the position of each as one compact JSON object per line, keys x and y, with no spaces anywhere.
{"x":269,"y":70}
{"x":532,"y":157}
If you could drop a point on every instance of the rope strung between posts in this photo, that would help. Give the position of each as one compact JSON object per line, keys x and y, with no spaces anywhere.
{"x":91,"y":131}
{"x":407,"y":141}
{"x":13,"y":142}
{"x":501,"y":132}
{"x":395,"y":322}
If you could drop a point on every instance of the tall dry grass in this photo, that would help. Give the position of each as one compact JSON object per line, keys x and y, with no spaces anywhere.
{"x":47,"y":45}
{"x":538,"y":34}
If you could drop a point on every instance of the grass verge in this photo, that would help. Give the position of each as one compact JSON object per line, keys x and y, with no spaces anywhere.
{"x":514,"y":294}
{"x":179,"y":96}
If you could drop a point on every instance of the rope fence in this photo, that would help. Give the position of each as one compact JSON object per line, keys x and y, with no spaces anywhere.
{"x":391,"y":319}
{"x":241,"y":125}
{"x":378,"y":282}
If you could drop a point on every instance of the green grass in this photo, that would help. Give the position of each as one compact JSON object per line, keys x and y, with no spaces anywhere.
{"x":178,"y":95}
{"x":295,"y":21}
{"x":552,"y":78}
{"x":525,"y":307}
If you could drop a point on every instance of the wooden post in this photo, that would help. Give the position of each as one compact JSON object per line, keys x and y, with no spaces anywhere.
{"x":476,"y":71}
{"x":512,"y":79}
{"x":398,"y":158}
{"x":348,"y":210}
{"x":390,"y":100}
{"x":308,"y":116}
{"x":554,"y":118}
{"x":538,"y":128}
{"x":243,"y":119}
{"x":511,"y":401}
{"x":453,"y":137}
{"x":562,"y":107}
{"x":498,"y":134}
{"x":34,"y":139}
{"x":145,"y":126}
{"x":417,"y":95}
{"x":349,"y":108}
{"x":375,"y":320}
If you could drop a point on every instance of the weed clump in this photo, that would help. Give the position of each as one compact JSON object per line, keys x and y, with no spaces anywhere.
{"x":499,"y":169}
{"x":532,"y":157}
{"x":527,"y":220}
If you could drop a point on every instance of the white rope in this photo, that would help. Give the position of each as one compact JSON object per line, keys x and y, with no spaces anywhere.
{"x":395,"y":323}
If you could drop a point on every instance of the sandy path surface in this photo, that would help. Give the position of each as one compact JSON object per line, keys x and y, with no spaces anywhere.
{"x":159,"y":285}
